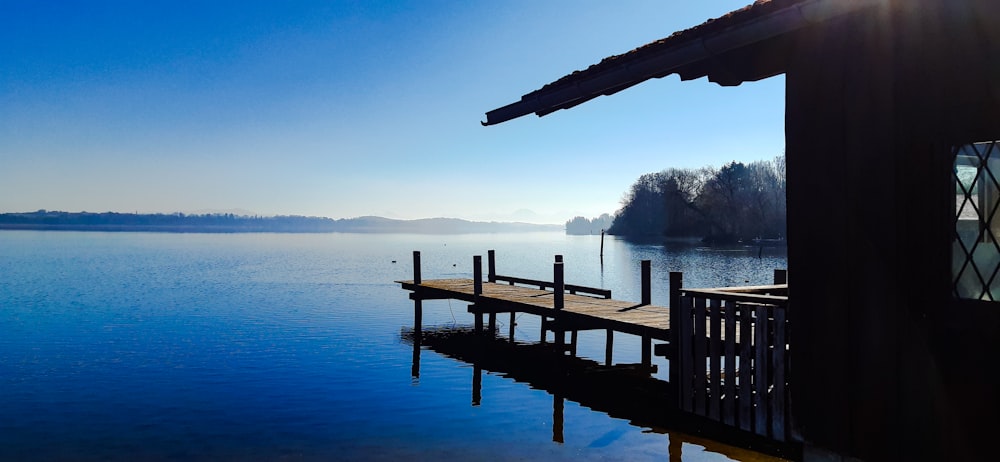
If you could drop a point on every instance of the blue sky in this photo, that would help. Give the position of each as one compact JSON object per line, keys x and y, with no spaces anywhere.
{"x":350,"y":108}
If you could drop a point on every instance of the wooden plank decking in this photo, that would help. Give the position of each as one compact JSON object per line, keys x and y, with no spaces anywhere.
{"x":579,"y":311}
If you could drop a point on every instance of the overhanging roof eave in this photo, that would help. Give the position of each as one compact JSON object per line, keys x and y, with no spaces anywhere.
{"x":545,"y":101}
{"x":589,"y":84}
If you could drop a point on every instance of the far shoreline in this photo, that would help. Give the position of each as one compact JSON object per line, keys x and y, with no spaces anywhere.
{"x":228,"y":223}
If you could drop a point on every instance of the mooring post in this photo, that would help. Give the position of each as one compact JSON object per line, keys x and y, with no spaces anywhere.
{"x":676,"y":284}
{"x":418,"y":304}
{"x":416,"y":267}
{"x":558,"y":292}
{"x":418,"y":314}
{"x":647,"y":298}
{"x":557,"y":278}
{"x":477,"y":275}
{"x":602,"y":244}
{"x":780,"y":276}
{"x":491,"y":265}
{"x":477,"y":288}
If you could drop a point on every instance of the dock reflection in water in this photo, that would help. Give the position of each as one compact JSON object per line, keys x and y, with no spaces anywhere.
{"x":624,"y":391}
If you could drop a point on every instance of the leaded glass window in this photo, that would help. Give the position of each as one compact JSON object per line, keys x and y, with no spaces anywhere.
{"x":976,"y":247}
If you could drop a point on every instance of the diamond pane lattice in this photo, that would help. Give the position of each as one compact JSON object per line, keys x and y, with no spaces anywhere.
{"x":976,"y":247}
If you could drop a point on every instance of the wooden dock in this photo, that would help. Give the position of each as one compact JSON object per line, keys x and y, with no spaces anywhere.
{"x":578,"y":311}
{"x":563,"y":308}
{"x":727,"y":347}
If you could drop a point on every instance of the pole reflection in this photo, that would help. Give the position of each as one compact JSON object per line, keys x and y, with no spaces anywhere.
{"x":557,"y":418}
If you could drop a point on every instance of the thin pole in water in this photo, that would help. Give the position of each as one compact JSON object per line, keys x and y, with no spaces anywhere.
{"x":602,"y":245}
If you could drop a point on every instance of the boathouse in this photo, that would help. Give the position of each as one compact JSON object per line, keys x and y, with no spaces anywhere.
{"x":893,"y":182}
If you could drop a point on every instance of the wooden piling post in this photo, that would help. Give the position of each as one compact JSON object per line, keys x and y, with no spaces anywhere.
{"x":477,"y":284}
{"x":559,"y":283}
{"x":416,"y":267}
{"x":418,"y":315}
{"x":602,"y":244}
{"x":477,"y":275}
{"x":491,"y":265}
{"x":418,"y":305}
{"x":647,"y":298}
{"x":559,"y":291}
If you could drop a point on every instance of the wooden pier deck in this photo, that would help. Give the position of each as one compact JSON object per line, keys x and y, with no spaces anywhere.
{"x":579,"y":312}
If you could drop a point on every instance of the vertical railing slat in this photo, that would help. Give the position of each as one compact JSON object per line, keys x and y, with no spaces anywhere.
{"x":760,"y":383}
{"x":779,"y":396}
{"x":676,"y":283}
{"x":745,"y":385}
{"x":684,"y":344}
{"x":715,"y":359}
{"x":729,"y":405}
{"x":700,"y":334}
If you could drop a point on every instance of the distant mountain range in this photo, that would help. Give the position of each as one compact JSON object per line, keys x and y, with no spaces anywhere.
{"x":230,"y":223}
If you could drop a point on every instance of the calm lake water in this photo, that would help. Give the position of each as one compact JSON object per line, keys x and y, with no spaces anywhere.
{"x":149,"y":346}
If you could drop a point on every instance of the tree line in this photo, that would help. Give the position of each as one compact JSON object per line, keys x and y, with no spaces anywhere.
{"x":582,"y":225}
{"x":720,"y":205}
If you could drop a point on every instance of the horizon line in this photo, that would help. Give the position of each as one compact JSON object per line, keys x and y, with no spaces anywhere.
{"x":250,"y":214}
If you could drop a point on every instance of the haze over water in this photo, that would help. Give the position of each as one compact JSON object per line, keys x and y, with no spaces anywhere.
{"x":150,"y":346}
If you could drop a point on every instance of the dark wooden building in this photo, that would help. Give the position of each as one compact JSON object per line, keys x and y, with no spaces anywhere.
{"x":893,"y":183}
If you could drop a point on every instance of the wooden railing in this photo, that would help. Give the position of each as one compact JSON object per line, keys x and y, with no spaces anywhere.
{"x":732,"y":355}
{"x":492,"y":276}
{"x":571,"y":288}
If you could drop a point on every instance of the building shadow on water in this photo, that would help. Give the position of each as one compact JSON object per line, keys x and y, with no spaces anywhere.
{"x":624,"y":391}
